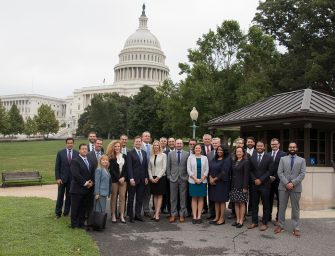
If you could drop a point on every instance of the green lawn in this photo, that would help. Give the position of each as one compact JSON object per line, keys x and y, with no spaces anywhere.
{"x":28,"y":227}
{"x":34,"y":155}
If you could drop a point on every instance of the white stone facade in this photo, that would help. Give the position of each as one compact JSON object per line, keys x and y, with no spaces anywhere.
{"x":28,"y":105}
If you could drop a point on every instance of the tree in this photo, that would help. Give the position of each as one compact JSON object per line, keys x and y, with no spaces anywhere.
{"x":84,"y":123}
{"x":30,"y":127}
{"x":108,"y":114}
{"x":16,"y":123}
{"x":142,"y":115}
{"x":46,"y":121}
{"x":4,"y":122}
{"x":306,"y":28}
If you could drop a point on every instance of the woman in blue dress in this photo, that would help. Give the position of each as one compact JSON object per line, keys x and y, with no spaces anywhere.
{"x":219,"y":183}
{"x":197,"y":168}
{"x":102,"y":186}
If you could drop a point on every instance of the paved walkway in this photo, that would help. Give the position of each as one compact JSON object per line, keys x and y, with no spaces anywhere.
{"x":163,"y":238}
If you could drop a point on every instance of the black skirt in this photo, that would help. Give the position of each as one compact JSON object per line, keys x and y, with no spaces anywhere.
{"x":158,"y":188}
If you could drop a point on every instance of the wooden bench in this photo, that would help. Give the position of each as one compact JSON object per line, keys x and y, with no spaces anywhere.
{"x":20,"y":176}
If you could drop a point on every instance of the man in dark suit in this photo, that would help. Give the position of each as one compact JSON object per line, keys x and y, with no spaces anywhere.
{"x":276,"y":154}
{"x":81,"y":191}
{"x":63,"y":177}
{"x":96,"y":153}
{"x":206,"y":148}
{"x":137,"y":165}
{"x":251,"y":151}
{"x":260,"y":172}
{"x":92,"y":137}
{"x":124,"y":142}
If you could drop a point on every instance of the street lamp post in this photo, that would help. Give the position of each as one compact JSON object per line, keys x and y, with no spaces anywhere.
{"x":194,"y":116}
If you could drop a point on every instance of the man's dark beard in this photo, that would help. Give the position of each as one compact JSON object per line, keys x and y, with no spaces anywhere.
{"x":292,"y":152}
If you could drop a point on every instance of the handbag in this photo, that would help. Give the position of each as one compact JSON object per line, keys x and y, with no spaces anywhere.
{"x":97,"y":220}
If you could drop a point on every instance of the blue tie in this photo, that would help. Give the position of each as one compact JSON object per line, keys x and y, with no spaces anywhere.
{"x":178,"y":156}
{"x":292,"y":162}
{"x":259,"y":159}
{"x":87,"y":164}
{"x":148,"y":151}
{"x":140,"y":155}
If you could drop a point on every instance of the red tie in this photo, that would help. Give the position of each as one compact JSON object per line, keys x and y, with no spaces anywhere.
{"x":69,"y":156}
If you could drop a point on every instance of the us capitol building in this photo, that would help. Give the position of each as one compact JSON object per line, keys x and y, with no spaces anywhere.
{"x":141,"y":62}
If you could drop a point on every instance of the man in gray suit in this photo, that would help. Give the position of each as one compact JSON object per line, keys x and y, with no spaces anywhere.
{"x":176,"y":171}
{"x":291,"y":172}
{"x":146,"y":146}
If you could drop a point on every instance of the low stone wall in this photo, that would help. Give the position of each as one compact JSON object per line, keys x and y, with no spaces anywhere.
{"x":318,"y":191}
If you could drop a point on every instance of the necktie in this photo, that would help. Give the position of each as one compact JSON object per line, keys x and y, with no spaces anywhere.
{"x":292,"y":162}
{"x":274,"y":155}
{"x":86,"y":162}
{"x":98,"y":154}
{"x":207,"y":149}
{"x":178,"y":156}
{"x":147,"y":146}
{"x":259,"y":159}
{"x":140,"y":155}
{"x":69,"y":158}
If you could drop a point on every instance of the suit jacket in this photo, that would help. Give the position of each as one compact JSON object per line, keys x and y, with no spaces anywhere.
{"x":211,"y":155}
{"x":203,"y":150}
{"x":114,"y":169}
{"x":296,"y":175}
{"x":159,"y":169}
{"x":192,"y":168}
{"x":93,"y":158}
{"x":102,"y":184}
{"x":174,"y":171}
{"x":240,"y":174}
{"x":263,"y":171}
{"x":81,"y":174}
{"x":62,"y":165}
{"x":225,"y":174}
{"x":137,"y":170}
{"x":279,"y":155}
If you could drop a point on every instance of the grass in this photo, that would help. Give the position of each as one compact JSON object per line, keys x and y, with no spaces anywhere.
{"x":28,"y":227}
{"x":33,"y":155}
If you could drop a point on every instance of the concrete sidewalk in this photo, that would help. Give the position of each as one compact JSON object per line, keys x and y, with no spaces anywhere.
{"x":50,"y":191}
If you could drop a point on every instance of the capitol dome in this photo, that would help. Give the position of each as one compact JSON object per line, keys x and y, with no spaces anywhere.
{"x":141,"y":61}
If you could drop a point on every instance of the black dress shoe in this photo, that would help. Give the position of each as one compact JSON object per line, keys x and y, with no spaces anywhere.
{"x":139,"y":218}
{"x":194,"y":221}
{"x":239,"y":225}
{"x":212,"y":221}
{"x":234,"y":224}
{"x":123,"y":221}
{"x":199,"y":221}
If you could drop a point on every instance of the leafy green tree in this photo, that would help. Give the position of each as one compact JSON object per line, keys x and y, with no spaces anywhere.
{"x":30,"y":127}
{"x":46,"y":121}
{"x":84,"y":123}
{"x":108,"y":114}
{"x":4,"y":122}
{"x":306,"y":28}
{"x":16,"y":123}
{"x":142,"y":114}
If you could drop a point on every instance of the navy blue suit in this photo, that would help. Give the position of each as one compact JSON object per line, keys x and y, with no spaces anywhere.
{"x":81,"y":196}
{"x":137,"y":171}
{"x":63,"y":172}
{"x":275,"y":183}
{"x":261,"y":171}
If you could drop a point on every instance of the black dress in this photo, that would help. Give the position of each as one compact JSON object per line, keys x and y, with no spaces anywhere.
{"x":220,"y":192}
{"x":240,"y":178}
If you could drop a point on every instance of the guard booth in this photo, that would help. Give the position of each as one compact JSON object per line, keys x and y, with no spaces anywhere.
{"x":304,"y":116}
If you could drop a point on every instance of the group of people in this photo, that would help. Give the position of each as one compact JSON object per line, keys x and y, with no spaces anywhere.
{"x":180,"y":182}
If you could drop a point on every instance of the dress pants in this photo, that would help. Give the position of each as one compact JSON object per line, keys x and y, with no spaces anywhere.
{"x":137,"y":191}
{"x":263,"y":193}
{"x":146,"y":198}
{"x":295,"y":215}
{"x":63,"y":189}
{"x":273,"y":192}
{"x":79,"y":207}
{"x":178,"y":188}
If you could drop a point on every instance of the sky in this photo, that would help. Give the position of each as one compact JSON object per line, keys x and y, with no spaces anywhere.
{"x":51,"y":47}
